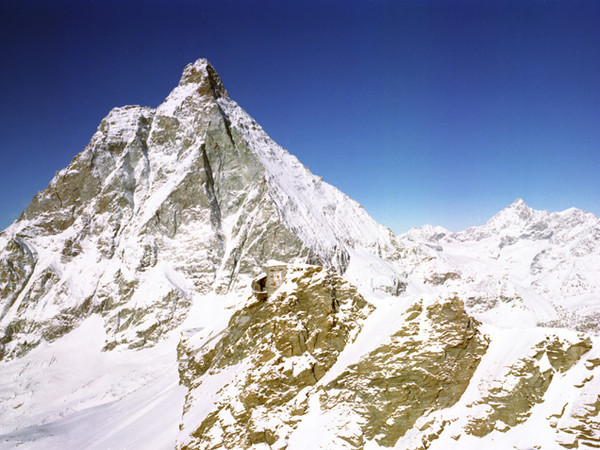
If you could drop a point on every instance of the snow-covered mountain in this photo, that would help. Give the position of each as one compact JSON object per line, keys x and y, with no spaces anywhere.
{"x":127,"y":317}
{"x":189,"y":198}
{"x":522,"y":267}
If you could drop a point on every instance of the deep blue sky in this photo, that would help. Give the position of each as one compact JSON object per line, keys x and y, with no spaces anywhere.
{"x":423,"y":111}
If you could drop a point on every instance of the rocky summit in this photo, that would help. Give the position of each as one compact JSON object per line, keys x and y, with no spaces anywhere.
{"x":134,"y":311}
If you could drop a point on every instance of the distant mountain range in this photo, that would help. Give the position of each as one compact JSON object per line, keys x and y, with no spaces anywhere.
{"x":127,"y":317}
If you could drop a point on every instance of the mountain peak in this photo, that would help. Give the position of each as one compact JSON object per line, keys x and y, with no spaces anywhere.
{"x":202,"y":72}
{"x":512,"y":218}
{"x":518,"y":207}
{"x":519,"y":203}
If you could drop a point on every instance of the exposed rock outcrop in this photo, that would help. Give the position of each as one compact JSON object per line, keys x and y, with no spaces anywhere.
{"x":425,"y":366}
{"x":270,"y":353}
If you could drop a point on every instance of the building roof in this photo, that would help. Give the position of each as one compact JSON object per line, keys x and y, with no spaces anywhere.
{"x":274,"y":263}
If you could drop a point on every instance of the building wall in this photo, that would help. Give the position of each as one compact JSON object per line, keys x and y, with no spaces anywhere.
{"x":275,"y":277}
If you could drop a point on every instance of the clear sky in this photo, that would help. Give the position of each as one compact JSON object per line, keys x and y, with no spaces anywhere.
{"x":439,"y":112}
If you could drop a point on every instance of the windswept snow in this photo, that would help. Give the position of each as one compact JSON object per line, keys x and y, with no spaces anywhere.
{"x":71,"y":394}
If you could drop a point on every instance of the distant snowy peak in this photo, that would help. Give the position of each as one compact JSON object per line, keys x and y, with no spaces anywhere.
{"x":510,"y":222}
{"x":519,"y":221}
{"x":524,"y":267}
{"x":515,"y":214}
{"x":427,"y":233}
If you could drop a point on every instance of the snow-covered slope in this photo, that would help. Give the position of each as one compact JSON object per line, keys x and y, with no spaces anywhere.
{"x":127,"y":320}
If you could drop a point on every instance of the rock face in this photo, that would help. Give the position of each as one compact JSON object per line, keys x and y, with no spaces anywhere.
{"x":409,"y":376}
{"x":164,"y":204}
{"x":511,"y":398}
{"x":270,"y":354}
{"x":578,"y":423}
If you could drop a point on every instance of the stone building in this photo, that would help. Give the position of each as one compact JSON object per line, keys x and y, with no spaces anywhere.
{"x":264,"y":286}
